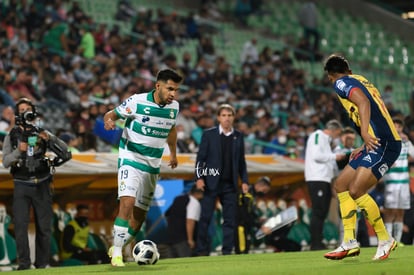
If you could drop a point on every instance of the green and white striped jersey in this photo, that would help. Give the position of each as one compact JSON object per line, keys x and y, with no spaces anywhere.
{"x":147,"y":127}
{"x":399,"y":172}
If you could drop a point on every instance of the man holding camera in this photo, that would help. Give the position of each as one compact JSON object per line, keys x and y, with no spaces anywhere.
{"x":24,"y":151}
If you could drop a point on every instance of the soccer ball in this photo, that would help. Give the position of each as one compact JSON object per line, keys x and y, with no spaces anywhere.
{"x":145,"y":252}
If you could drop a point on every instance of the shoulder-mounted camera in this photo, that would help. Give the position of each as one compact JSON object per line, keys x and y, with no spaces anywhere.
{"x":24,"y":118}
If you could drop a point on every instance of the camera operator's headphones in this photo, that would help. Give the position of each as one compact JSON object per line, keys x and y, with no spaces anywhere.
{"x":25,"y":100}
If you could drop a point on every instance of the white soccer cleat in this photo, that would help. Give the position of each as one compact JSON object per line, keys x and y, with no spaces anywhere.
{"x":346,"y":249}
{"x":384,"y":249}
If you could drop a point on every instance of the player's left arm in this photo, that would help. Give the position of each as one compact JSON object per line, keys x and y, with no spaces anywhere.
{"x":172,"y":144}
{"x":358,"y":97}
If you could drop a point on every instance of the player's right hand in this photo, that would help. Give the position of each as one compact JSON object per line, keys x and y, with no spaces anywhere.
{"x":109,"y":124}
{"x":371,"y":143}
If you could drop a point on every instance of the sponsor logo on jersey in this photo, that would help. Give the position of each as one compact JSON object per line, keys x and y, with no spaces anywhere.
{"x":128,"y":110}
{"x":147,"y":110}
{"x":367,"y":158}
{"x":340,"y":84}
{"x":144,"y":130}
{"x":145,"y":119}
{"x":148,"y":131}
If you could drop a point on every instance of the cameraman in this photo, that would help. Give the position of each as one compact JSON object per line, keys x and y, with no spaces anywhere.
{"x":24,"y":151}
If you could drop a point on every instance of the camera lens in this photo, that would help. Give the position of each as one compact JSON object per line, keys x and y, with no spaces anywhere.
{"x":29,"y":116}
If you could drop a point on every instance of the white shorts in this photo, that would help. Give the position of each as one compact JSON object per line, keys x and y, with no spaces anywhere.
{"x":397,"y":196}
{"x":135,"y":183}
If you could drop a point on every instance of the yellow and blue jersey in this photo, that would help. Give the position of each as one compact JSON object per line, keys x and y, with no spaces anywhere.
{"x":381,"y":125}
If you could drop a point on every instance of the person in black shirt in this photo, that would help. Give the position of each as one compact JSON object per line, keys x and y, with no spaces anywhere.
{"x":247,"y":219}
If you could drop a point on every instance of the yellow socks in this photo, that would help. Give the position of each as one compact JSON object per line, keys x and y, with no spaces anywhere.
{"x":371,"y":211}
{"x":348,"y":213}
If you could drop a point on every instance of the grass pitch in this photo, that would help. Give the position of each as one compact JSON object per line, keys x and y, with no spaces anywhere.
{"x":306,"y":263}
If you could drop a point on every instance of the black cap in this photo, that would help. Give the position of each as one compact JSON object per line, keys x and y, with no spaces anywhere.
{"x":265,"y":180}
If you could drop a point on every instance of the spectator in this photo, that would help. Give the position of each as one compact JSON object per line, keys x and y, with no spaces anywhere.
{"x":308,"y":19}
{"x":55,"y":35}
{"x":75,"y":240}
{"x":22,"y":86}
{"x":279,"y":140}
{"x":71,"y":140}
{"x":6,"y":120}
{"x":242,"y":10}
{"x":346,"y":145}
{"x":249,"y":53}
{"x":182,"y":217}
{"x":87,"y":43}
{"x":125,"y":10}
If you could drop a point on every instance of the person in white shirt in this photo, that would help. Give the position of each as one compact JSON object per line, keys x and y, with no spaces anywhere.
{"x":182,"y":217}
{"x":320,"y":166}
{"x":250,"y":54}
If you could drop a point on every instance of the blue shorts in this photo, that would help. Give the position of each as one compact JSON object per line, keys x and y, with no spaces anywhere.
{"x":379,"y":160}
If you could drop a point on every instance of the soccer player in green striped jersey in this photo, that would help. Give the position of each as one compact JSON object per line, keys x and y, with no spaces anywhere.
{"x":150,"y":120}
{"x":397,"y":186}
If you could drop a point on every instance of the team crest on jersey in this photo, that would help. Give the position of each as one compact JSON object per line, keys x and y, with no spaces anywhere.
{"x":122,"y":186}
{"x":171,"y":113}
{"x":383,"y":169}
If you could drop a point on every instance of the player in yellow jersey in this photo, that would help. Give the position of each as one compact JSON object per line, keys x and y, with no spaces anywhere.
{"x":382,"y":146}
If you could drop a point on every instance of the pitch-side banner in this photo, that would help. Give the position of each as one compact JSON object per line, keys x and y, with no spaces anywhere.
{"x":156,"y":224}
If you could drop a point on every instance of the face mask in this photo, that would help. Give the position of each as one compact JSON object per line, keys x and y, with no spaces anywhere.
{"x":284,"y":104}
{"x":114,"y":99}
{"x":282,"y":139}
{"x":82,"y":220}
{"x":39,"y":123}
{"x":180,"y":135}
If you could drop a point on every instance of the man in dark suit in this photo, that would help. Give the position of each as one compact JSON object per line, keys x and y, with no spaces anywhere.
{"x":220,"y":162}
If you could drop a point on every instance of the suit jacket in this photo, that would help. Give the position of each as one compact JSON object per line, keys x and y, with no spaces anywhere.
{"x":208,"y":163}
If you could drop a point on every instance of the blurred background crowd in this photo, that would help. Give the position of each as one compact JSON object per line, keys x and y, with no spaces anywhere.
{"x":77,"y":59}
{"x":75,"y":69}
